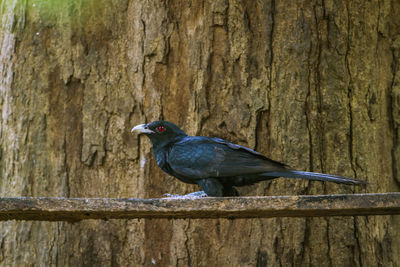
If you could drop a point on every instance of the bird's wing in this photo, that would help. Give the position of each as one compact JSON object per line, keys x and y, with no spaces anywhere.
{"x":202,"y":157}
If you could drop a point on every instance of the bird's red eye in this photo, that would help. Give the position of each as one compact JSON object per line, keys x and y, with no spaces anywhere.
{"x":161,"y":129}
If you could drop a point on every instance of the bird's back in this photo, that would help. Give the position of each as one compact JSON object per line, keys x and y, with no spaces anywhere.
{"x":203,"y":157}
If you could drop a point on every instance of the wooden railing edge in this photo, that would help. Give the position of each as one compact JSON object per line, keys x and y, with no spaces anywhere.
{"x":77,"y":209}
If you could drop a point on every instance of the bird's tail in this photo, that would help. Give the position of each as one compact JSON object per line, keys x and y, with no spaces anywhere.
{"x":315,"y":176}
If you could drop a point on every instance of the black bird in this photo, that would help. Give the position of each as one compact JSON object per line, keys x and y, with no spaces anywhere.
{"x":217,"y":165}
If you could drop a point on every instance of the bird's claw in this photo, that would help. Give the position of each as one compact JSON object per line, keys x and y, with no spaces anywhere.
{"x":170,"y":195}
{"x":198,"y":194}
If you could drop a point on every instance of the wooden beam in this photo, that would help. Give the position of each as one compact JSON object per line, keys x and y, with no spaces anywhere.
{"x":76,"y":209}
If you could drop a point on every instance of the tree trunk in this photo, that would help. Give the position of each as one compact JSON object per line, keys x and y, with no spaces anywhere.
{"x":314,"y":84}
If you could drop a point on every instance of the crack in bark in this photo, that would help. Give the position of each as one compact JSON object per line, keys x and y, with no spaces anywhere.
{"x":306,"y":239}
{"x":271,"y":59}
{"x":394,"y":126}
{"x":319,"y":102}
{"x":350,"y":93}
{"x":328,"y":243}
{"x":67,"y":174}
{"x":307,"y":108}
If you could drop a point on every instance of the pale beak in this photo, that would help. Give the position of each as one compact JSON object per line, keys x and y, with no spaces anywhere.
{"x":141,"y":128}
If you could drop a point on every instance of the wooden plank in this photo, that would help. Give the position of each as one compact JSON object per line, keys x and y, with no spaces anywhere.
{"x":76,"y":209}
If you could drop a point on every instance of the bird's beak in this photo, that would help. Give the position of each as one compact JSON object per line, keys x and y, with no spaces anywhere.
{"x":141,"y":129}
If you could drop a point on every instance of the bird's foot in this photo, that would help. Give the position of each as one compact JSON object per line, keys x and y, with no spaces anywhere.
{"x":198,"y":194}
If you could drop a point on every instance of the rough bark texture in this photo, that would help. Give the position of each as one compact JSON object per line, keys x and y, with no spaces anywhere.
{"x":315,"y":84}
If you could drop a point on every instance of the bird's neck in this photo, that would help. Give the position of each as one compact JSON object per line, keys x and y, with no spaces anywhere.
{"x":162,"y":146}
{"x":161,"y":151}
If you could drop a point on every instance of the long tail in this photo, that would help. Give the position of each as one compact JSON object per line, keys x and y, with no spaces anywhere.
{"x":315,"y":176}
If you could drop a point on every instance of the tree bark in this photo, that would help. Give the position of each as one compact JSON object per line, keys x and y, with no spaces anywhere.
{"x":314,"y":84}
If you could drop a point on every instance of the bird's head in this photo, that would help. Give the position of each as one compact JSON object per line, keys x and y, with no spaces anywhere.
{"x":159,"y":132}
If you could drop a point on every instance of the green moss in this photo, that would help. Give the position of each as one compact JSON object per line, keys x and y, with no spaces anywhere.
{"x":60,"y":13}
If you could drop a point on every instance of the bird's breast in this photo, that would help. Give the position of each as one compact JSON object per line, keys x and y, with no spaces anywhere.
{"x":161,"y":159}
